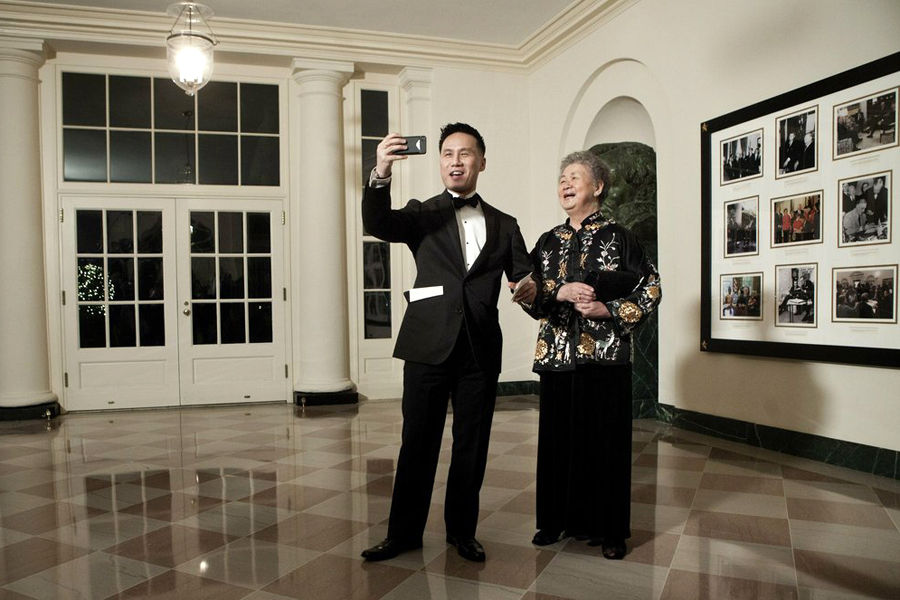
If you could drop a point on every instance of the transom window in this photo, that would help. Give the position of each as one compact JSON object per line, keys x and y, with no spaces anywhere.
{"x":123,"y":129}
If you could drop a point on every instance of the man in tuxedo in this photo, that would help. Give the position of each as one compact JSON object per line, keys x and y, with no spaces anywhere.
{"x":809,"y":152}
{"x":876,"y":199}
{"x":450,"y":336}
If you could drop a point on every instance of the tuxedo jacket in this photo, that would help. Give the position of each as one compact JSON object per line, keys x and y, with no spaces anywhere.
{"x":431,"y":326}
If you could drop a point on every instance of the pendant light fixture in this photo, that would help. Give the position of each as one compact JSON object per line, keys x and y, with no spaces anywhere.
{"x":189,"y":47}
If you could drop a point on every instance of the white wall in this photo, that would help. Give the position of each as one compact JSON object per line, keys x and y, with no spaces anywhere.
{"x":687,"y":62}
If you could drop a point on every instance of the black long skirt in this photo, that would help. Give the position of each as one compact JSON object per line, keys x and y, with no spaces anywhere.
{"x":584,"y":452}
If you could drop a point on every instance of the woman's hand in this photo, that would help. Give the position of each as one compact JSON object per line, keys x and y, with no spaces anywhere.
{"x":575,"y":292}
{"x":592,"y":310}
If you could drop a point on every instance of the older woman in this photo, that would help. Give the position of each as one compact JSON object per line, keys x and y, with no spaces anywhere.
{"x":597,"y":286}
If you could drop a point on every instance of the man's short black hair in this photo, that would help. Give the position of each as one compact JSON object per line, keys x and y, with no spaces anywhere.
{"x":451,"y":128}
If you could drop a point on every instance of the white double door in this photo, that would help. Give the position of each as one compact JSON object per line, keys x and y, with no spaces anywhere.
{"x":172,"y":302}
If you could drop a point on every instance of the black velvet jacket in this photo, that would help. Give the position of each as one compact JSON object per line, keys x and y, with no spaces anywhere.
{"x":563,"y":255}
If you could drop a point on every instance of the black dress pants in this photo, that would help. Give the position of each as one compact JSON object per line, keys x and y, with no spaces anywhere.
{"x":584,"y":452}
{"x":426,"y":390}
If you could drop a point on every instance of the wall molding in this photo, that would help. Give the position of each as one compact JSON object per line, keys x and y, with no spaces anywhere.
{"x":117,"y":31}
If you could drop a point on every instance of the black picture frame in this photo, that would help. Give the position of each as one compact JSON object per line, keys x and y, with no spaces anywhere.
{"x":828,"y":340}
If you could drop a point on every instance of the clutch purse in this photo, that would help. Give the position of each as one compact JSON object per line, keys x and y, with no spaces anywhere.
{"x":611,"y":285}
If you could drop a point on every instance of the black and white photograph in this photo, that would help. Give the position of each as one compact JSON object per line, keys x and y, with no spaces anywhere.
{"x":865,"y":294}
{"x":865,"y":212}
{"x":797,"y":220}
{"x":795,"y":295}
{"x":741,"y":227}
{"x":741,"y":296}
{"x":866,"y":124}
{"x":797,"y":142}
{"x":742,"y":157}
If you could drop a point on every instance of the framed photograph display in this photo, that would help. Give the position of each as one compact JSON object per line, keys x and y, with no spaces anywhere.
{"x":864,"y":216}
{"x":741,"y":227}
{"x":824,"y":287}
{"x":742,"y":157}
{"x":866,"y":124}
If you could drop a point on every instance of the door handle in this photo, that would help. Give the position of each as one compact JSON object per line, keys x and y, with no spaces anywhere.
{"x":187,"y":309}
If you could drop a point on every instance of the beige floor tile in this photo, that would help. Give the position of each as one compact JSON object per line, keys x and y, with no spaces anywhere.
{"x":338,"y":578}
{"x":582,"y":577}
{"x":845,"y":513}
{"x":740,"y":560}
{"x":741,"y":528}
{"x":703,"y":586}
{"x":438,"y":587}
{"x":249,"y":562}
{"x":762,"y":505}
{"x":834,"y":538}
{"x":838,"y":572}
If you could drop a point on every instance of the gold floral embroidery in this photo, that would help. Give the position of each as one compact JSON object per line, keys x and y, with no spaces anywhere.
{"x":630,"y":313}
{"x":549,"y":284}
{"x":583,"y":260}
{"x":563,"y":234}
{"x":586,"y":347}
{"x":592,"y":226}
{"x":563,"y":270}
{"x":541,"y":351}
{"x":653,"y":292}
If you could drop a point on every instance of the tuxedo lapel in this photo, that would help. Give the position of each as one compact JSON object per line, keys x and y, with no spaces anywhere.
{"x":491,"y":231}
{"x":451,"y":227}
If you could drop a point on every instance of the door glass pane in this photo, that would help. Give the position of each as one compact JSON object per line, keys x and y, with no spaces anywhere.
{"x":84,"y":155}
{"x":90,"y":279}
{"x":376,"y":265}
{"x":152,"y":324}
{"x":203,"y":319}
{"x":119,"y":231}
{"x":129,"y":157}
{"x":259,"y":108}
{"x":218,"y":159}
{"x":203,"y":278}
{"x":260,"y":322}
{"x":259,"y":277}
{"x":232,"y":314}
{"x":149,"y":231}
{"x":120,"y":278}
{"x":89,"y":226}
{"x":175,"y":157}
{"x":84,"y":99}
{"x":374,"y":109}
{"x":92,"y":326}
{"x":258,"y":234}
{"x":202,"y":227}
{"x":129,"y":101}
{"x":150,"y":279}
{"x":217,"y":107}
{"x":121,"y":326}
{"x":231,"y":232}
{"x":368,"y":158}
{"x":259,"y":160}
{"x":377,"y":314}
{"x":231,"y":277}
{"x":172,"y":108}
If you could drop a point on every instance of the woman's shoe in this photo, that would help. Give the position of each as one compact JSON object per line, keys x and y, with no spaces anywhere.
{"x":545,"y":537}
{"x":613,"y":549}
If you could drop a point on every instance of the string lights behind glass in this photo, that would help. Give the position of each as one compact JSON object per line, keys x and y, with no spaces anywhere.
{"x":189,"y":46}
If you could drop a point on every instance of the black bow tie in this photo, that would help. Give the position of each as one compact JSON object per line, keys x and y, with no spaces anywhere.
{"x":459,"y":202}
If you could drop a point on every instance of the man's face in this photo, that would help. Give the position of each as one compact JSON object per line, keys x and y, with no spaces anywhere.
{"x":461,"y":162}
{"x":790,"y":138}
{"x":878,"y":185}
{"x":807,"y":139}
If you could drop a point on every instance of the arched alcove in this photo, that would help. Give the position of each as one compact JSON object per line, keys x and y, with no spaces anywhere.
{"x":613,"y":117}
{"x":622,"y":119}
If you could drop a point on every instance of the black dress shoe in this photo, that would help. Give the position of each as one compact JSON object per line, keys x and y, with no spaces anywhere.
{"x":545,"y":537}
{"x":389,"y":548}
{"x":468,"y":548}
{"x":613,"y":549}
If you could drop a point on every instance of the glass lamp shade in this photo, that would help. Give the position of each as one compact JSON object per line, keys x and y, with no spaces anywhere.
{"x":190,"y":60}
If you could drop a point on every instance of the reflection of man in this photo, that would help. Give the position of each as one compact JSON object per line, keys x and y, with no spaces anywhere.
{"x":876,"y":200}
{"x":450,"y":339}
{"x":809,"y":152}
{"x":854,"y":222}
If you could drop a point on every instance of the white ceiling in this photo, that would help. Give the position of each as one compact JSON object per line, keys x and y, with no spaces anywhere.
{"x":503,"y":22}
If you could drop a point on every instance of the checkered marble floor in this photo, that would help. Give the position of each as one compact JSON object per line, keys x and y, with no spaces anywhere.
{"x":271,"y":502}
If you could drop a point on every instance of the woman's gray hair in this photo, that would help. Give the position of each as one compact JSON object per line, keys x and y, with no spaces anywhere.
{"x":595,"y":166}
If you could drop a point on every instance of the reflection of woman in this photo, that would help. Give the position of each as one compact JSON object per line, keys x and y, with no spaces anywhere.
{"x":583,"y":358}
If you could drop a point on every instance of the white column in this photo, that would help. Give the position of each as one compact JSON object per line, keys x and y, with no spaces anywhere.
{"x":24,"y":362}
{"x":319,"y":274}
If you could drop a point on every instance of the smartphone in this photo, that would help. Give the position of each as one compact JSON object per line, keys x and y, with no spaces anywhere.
{"x":415,"y":144}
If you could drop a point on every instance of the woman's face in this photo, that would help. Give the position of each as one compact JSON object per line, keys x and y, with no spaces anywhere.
{"x":577,"y":191}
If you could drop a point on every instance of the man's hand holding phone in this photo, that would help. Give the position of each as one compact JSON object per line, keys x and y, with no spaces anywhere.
{"x":396,"y":147}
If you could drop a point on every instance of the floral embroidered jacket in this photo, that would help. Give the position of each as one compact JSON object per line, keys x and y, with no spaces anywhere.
{"x":563,"y":255}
